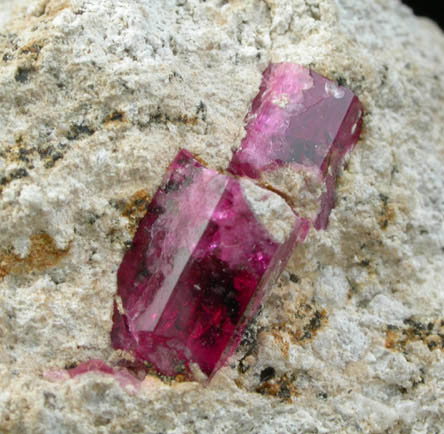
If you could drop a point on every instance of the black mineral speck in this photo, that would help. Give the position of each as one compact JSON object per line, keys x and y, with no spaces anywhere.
{"x":77,"y":130}
{"x":432,"y":345}
{"x":315,"y":323}
{"x":243,"y":367}
{"x":341,"y":81}
{"x":49,"y":400}
{"x":22,"y":75}
{"x":384,"y":198}
{"x":284,"y":392}
{"x":56,"y":156}
{"x":44,"y":152}
{"x":70,"y":365}
{"x":202,"y":109}
{"x":294,"y":278}
{"x":19,"y":173}
{"x":116,"y":116}
{"x":267,"y":374}
{"x":49,"y":164}
{"x":23,"y":154}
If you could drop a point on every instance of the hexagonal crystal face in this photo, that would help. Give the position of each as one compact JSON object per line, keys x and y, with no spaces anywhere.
{"x":201,"y":260}
{"x":299,"y":129}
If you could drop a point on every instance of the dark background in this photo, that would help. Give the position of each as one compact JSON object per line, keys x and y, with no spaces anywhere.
{"x":433,"y":9}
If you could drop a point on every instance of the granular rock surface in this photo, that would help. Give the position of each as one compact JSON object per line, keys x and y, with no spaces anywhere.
{"x":96,"y":98}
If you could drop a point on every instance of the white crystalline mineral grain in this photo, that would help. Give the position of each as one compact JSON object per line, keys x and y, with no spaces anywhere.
{"x":97,"y":96}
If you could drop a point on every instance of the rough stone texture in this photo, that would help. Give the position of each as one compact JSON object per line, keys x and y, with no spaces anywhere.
{"x":96,"y":98}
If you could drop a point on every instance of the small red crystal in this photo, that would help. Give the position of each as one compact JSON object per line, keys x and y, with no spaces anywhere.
{"x":304,"y":121}
{"x":198,"y":267}
{"x":125,"y":379}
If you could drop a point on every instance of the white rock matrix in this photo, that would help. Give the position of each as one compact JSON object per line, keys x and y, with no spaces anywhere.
{"x":96,"y":98}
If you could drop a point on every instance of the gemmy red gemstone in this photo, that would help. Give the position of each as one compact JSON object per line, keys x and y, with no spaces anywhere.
{"x":202,"y":258}
{"x":300,"y":128}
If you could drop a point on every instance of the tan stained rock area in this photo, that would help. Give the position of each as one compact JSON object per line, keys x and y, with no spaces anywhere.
{"x":97,"y":96}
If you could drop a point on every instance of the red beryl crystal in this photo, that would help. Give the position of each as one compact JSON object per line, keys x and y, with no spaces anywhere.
{"x":122,"y":375}
{"x":299,"y":129}
{"x":200,"y":262}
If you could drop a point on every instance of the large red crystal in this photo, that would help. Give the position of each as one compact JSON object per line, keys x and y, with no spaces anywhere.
{"x":307,"y":123}
{"x":199,"y":264}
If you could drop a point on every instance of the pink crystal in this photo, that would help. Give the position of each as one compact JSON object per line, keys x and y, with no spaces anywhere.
{"x":198,"y":267}
{"x":125,"y":379}
{"x":304,"y":121}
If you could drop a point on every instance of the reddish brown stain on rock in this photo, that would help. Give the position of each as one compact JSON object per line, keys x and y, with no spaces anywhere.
{"x":43,"y":254}
{"x":115,"y":118}
{"x":430,"y":332}
{"x":282,"y":387}
{"x":135,"y":208}
{"x":309,"y":322}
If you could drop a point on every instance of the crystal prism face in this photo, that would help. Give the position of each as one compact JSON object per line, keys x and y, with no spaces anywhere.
{"x":200,"y":262}
{"x":300,"y":128}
